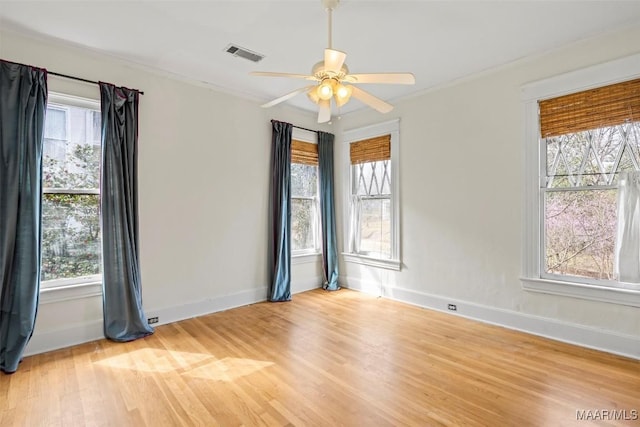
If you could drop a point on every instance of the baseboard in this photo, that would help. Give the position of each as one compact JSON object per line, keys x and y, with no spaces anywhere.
{"x":67,"y":337}
{"x":207,"y":306}
{"x":598,"y":339}
{"x":226,"y":302}
{"x":298,"y":286}
{"x":93,"y":330}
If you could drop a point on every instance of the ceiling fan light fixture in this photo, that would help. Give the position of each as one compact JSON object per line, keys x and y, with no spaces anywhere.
{"x":342,"y":94}
{"x":332,"y":80}
{"x":313,"y":95}
{"x":325,"y":89}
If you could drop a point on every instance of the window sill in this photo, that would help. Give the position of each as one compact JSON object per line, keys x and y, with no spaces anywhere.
{"x":390,"y":264}
{"x":620,"y":296}
{"x":70,"y":292}
{"x":305,"y":258}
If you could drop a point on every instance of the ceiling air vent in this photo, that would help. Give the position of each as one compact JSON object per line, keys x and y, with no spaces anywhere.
{"x":236,"y":50}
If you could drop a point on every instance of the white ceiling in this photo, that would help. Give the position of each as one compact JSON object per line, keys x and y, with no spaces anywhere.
{"x":438,"y":41}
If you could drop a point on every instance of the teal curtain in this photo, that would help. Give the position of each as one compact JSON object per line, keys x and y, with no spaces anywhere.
{"x":124,"y":318}
{"x":280,"y":213}
{"x":328,"y":211}
{"x":23,"y":103}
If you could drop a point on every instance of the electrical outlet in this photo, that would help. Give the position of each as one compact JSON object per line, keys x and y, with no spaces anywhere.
{"x":152,"y":320}
{"x":452,"y":307}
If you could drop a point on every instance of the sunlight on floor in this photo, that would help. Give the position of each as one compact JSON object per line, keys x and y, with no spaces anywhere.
{"x":155,"y":360}
{"x":228,"y":369}
{"x":196,"y":365}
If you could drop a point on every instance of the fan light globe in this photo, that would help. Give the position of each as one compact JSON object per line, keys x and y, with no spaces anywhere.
{"x":325,"y":91}
{"x":342,"y":92}
{"x":313,"y":95}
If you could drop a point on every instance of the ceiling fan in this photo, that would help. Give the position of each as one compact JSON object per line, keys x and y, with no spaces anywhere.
{"x":332,"y":80}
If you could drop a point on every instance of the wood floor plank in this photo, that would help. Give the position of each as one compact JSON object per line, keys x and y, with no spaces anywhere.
{"x":323,"y":359}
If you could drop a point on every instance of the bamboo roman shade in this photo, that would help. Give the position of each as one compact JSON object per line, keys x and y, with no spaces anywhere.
{"x":371,"y":150}
{"x":604,"y":106}
{"x":304,"y":153}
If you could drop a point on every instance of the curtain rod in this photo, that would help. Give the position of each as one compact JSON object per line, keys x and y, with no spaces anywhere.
{"x":66,"y":76}
{"x":299,"y":127}
{"x":80,"y":79}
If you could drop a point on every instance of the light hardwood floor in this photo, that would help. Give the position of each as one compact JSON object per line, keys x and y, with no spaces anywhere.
{"x":324,"y":359}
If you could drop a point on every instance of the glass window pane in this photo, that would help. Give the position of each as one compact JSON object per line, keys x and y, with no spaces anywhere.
{"x":592,"y":157}
{"x":302,"y":224}
{"x":70,"y":236}
{"x":375,"y":227}
{"x":359,"y":185}
{"x":386,"y":177}
{"x":53,"y":149}
{"x":96,"y":126}
{"x":304,"y":180}
{"x":372,"y":178}
{"x":74,"y":163}
{"x":55,"y":125}
{"x":580,"y":232}
{"x":607,"y":143}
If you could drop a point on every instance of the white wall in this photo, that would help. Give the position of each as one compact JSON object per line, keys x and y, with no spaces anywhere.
{"x":203,"y":193}
{"x":461,"y":174}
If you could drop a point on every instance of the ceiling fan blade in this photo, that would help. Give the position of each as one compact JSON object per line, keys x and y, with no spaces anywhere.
{"x":384,"y":78}
{"x":324,"y":113}
{"x":286,"y":97}
{"x":270,"y":74}
{"x":333,"y":60}
{"x":373,"y":102}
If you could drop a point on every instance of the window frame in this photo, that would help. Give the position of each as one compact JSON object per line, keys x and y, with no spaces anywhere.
{"x":391,"y":128}
{"x":533,"y":276}
{"x":82,"y":286}
{"x":309,"y":255}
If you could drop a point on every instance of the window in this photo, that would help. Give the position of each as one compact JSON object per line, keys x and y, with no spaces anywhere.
{"x":71,"y":243}
{"x":304,"y":198}
{"x":372,"y":215}
{"x":371,"y":196}
{"x":583,"y":159}
{"x":578,"y":145}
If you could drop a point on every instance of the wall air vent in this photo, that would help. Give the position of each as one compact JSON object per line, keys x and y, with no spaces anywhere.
{"x":241,"y":52}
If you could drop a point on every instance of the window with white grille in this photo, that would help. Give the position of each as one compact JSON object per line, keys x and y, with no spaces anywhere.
{"x":579,"y":197}
{"x":373,"y":212}
{"x":583,"y":134}
{"x":371,"y":200}
{"x":586,"y":142}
